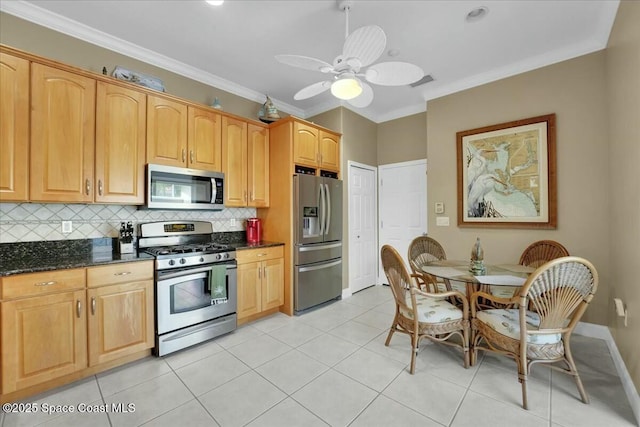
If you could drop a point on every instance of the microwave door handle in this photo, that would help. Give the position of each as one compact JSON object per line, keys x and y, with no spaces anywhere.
{"x":321,"y":209}
{"x":214,"y":190}
{"x":327,"y":196}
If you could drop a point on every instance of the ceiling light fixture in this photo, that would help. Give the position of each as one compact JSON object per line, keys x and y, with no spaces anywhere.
{"x":346,"y":87}
{"x":215,"y":2}
{"x":477,"y":14}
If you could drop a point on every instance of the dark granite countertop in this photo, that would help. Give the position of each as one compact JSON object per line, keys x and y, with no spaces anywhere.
{"x":32,"y":257}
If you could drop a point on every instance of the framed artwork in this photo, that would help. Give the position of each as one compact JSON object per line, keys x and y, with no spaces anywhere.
{"x":507,"y":174}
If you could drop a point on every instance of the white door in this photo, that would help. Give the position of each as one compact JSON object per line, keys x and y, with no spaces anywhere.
{"x":363,"y":249}
{"x":402,"y":206}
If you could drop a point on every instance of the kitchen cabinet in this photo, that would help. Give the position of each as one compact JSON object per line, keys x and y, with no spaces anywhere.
{"x":62,"y":135}
{"x":316,"y":148}
{"x":120,"y":144}
{"x":58,"y":326}
{"x":14,"y":132}
{"x":245,"y":151}
{"x":260,"y":281}
{"x":44,"y":329}
{"x":183,"y":135}
{"x":166,"y":131}
{"x":120,"y":302}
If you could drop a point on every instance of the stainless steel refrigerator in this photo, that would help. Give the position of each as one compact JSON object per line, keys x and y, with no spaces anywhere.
{"x":317,"y":213}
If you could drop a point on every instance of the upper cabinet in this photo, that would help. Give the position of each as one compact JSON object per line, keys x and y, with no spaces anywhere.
{"x":204,"y":139}
{"x":14,"y":132}
{"x":183,"y":136}
{"x":166,"y":131}
{"x":245,"y":153}
{"x":121,"y":117}
{"x":315,"y":148}
{"x":62,"y":135}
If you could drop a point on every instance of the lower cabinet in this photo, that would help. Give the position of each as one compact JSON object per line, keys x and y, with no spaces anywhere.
{"x":260,"y":280}
{"x":63,"y":322}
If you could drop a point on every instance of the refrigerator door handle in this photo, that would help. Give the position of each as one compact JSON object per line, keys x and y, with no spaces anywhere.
{"x":319,"y":247}
{"x":327,"y":196}
{"x":319,"y":267}
{"x":322,"y":210}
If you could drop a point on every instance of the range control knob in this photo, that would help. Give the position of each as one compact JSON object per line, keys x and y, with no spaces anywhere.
{"x":183,"y":261}
{"x":201,"y":259}
{"x":218,"y":256}
{"x":225,"y":255}
{"x":172,"y":262}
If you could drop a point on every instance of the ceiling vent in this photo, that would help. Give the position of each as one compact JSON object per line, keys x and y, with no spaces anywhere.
{"x":426,"y":79}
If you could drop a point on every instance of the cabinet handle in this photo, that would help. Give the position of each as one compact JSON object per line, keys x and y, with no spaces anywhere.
{"x":245,"y":195}
{"x":259,"y":273}
{"x":87,"y":186}
{"x":124,"y":273}
{"x":78,"y":308}
{"x":100,"y":187}
{"x":251,"y":196}
{"x":265,"y":272}
{"x":262,"y":254}
{"x":93,"y":306}
{"x":191,"y":155}
{"x":184,"y":155}
{"x":53,"y":282}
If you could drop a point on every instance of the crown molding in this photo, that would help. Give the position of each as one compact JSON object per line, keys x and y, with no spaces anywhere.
{"x":85,"y":33}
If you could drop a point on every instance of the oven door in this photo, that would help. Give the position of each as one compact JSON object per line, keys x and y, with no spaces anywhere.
{"x":184,"y":298}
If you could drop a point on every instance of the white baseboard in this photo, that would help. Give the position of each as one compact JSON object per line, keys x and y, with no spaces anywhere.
{"x":602,"y":332}
{"x":346,"y":293}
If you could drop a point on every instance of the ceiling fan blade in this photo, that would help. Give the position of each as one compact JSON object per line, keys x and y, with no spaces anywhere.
{"x":364,"y":99}
{"x":366,"y":44}
{"x":305,"y":62}
{"x":393,"y":73}
{"x":312,"y":90}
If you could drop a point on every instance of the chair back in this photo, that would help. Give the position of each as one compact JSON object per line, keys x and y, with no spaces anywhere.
{"x":558,"y":291}
{"x":542,"y":251}
{"x":397,"y":274}
{"x":423,"y":250}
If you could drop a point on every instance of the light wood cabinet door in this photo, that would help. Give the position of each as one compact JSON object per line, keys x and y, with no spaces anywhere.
{"x":305,"y":145}
{"x":121,"y":117}
{"x":204,"y":140}
{"x":249,"y":290}
{"x":329,"y":151}
{"x":258,"y":166}
{"x":14,"y":132}
{"x":62,"y":135}
{"x":272,"y":283}
{"x":43,"y":338}
{"x":166,"y":132}
{"x":234,"y":164}
{"x":120,"y":320}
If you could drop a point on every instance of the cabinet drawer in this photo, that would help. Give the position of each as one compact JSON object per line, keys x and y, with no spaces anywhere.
{"x":262,"y":254}
{"x":119,"y":273}
{"x":33,"y":284}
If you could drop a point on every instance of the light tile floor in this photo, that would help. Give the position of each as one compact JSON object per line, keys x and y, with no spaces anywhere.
{"x":331,"y":367}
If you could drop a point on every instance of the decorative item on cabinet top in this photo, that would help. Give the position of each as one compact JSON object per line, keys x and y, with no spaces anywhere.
{"x":268,"y":112}
{"x":138,"y":78}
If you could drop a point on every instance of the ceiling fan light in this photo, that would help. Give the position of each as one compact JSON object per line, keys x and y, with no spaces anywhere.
{"x":346,"y":88}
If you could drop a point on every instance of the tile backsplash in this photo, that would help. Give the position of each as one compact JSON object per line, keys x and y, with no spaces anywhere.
{"x":30,"y":222}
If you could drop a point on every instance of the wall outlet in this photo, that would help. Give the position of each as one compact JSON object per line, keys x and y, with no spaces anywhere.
{"x":233,"y":222}
{"x":67,"y":227}
{"x":439,"y":207}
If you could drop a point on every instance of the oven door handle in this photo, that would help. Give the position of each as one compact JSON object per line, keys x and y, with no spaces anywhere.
{"x":189,"y":272}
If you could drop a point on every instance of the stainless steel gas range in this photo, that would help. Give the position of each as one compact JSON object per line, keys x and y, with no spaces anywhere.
{"x":196,"y":289}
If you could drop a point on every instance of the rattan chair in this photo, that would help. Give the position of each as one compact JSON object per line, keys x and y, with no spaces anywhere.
{"x":424,"y":314}
{"x":550,"y":304}
{"x":534,"y":256}
{"x":423,"y":250}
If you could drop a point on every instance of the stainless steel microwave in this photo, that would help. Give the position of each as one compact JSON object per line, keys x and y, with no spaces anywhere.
{"x":171,"y":187}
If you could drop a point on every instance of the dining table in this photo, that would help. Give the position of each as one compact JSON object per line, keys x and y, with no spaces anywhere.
{"x":496,"y":275}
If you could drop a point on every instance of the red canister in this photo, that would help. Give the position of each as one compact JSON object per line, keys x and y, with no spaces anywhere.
{"x":254,"y":230}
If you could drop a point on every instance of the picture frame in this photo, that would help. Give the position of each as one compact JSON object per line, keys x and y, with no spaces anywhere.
{"x":507,"y":175}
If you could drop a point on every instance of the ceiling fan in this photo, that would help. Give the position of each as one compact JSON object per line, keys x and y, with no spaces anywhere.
{"x":361,"y":48}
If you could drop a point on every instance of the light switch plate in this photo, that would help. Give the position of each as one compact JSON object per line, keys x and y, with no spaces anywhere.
{"x":442,"y":221}
{"x":439,"y":207}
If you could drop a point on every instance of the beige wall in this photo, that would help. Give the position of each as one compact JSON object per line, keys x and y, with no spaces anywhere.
{"x":623,"y":98}
{"x":575,"y":91}
{"x":50,"y":44}
{"x":402,"y":139}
